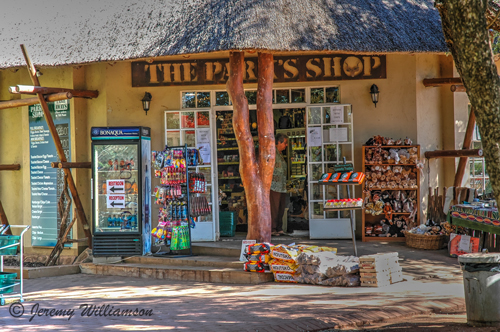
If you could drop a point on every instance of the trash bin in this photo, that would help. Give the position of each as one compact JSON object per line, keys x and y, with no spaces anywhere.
{"x":482,"y":288}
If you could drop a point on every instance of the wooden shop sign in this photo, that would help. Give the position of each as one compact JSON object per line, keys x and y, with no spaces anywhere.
{"x":306,"y":68}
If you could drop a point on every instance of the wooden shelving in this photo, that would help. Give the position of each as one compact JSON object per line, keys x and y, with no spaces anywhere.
{"x":369,"y":220}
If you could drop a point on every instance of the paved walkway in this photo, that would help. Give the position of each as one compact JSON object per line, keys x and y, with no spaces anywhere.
{"x":434,"y":284}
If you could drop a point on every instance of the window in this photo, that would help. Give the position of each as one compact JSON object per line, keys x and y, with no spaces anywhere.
{"x":478,"y":177}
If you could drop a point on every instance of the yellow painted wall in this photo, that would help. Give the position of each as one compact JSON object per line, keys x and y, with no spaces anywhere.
{"x":406,"y":109}
{"x":11,"y":150}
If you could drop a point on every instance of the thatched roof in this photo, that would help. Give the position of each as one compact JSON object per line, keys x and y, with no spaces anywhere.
{"x":58,"y":32}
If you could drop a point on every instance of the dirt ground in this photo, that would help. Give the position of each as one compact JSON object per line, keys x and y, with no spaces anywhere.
{"x":456,"y":322}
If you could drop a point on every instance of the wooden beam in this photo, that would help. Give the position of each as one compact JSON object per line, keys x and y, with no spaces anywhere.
{"x":13,"y":167}
{"x":453,"y":153}
{"x":84,"y":164}
{"x":33,"y":90}
{"x":59,"y":147}
{"x":458,"y":88}
{"x":34,"y":100}
{"x":462,"y":164}
{"x":442,"y":81}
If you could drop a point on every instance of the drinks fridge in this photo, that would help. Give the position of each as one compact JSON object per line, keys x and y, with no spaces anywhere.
{"x":121,"y":191}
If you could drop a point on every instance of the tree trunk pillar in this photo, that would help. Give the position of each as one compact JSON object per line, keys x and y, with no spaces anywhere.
{"x":256,"y":174}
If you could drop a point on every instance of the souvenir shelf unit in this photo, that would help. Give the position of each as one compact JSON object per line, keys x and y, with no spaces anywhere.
{"x":391,"y":190}
{"x":228,"y":161}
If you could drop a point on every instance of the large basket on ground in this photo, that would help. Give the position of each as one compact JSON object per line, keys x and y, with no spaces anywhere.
{"x":429,"y":242}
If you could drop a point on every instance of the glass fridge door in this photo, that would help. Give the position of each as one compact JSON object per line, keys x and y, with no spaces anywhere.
{"x":116,"y":184}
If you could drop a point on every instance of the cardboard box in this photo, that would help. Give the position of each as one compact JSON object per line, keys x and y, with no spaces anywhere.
{"x":456,"y":245}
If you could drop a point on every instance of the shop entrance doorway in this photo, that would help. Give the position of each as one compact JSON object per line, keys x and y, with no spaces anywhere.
{"x":320,"y":135}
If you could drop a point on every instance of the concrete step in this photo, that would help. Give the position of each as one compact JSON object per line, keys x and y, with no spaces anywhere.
{"x":209,"y":249}
{"x":209,"y":261}
{"x":43,"y":271}
{"x":176,"y":272}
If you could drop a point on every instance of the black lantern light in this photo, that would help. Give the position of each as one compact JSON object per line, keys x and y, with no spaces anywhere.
{"x":146,"y":100}
{"x":374,"y":92}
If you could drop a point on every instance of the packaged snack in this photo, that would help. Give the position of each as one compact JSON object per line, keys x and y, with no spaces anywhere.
{"x":277,"y":265}
{"x":285,"y":253}
{"x":284,"y":277}
{"x":256,"y":267}
{"x":258,"y":248}
{"x":325,"y":177}
{"x":258,"y":258}
{"x":335,"y":177}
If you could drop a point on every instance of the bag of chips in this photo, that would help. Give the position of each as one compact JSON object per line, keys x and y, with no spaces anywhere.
{"x":285,"y":253}
{"x":256,"y":267}
{"x":258,"y":248}
{"x":258,"y":258}
{"x":282,"y":266}
{"x":284,"y":277}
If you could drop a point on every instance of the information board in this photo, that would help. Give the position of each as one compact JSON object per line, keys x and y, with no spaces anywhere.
{"x":47,"y":183}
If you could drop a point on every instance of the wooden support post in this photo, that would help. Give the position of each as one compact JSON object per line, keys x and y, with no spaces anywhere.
{"x":3,"y":218}
{"x":59,"y":148}
{"x":453,"y":153}
{"x":459,"y":175}
{"x":35,"y":90}
{"x":458,"y":88}
{"x":84,"y":164}
{"x":428,"y":82}
{"x":34,"y":100}
{"x":13,"y":167}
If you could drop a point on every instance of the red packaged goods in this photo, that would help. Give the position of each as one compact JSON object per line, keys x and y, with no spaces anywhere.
{"x":256,"y":267}
{"x":357,"y":177}
{"x":335,"y":177}
{"x":325,"y":177}
{"x":258,"y":248}
{"x":345,"y":177}
{"x":258,"y":258}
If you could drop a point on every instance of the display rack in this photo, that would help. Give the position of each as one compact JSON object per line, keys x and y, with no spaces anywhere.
{"x":350,"y":209}
{"x":185,"y":188}
{"x":12,"y":243}
{"x":403,"y":184}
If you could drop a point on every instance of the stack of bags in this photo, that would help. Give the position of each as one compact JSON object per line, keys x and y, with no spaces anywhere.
{"x":284,"y":262}
{"x":328,"y":269}
{"x":380,"y":270}
{"x":258,"y":257}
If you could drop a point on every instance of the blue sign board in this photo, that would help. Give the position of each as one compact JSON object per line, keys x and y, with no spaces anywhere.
{"x":47,"y":183}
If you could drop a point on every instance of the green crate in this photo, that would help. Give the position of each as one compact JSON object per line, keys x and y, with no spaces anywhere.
{"x":5,"y":240}
{"x":227,"y":223}
{"x":7,"y":279}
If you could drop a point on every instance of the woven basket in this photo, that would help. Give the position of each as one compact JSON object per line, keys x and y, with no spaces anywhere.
{"x":430,"y":242}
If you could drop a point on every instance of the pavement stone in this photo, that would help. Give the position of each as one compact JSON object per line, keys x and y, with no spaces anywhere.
{"x":433,"y":284}
{"x":198,"y":306}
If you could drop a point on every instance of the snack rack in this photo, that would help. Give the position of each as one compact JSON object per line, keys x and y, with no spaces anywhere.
{"x":185,"y":188}
{"x":351,"y":209}
{"x":3,"y":252}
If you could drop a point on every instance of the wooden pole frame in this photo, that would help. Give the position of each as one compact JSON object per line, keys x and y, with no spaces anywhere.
{"x":453,"y":153}
{"x":459,"y":175}
{"x":35,"y":90}
{"x":32,"y":101}
{"x":59,"y":148}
